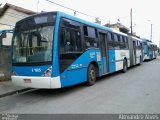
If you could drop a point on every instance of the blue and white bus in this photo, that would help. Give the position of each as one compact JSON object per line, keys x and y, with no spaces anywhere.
{"x":147,"y":50}
{"x":150,"y":50}
{"x":55,"y":50}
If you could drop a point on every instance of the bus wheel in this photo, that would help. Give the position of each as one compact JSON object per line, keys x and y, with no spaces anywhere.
{"x":91,"y":75}
{"x":124,"y":66}
{"x":140,"y":61}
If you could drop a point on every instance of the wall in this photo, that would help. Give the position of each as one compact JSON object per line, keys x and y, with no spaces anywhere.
{"x":9,"y":17}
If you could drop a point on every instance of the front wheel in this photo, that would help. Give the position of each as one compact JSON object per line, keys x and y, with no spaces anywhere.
{"x":91,"y":75}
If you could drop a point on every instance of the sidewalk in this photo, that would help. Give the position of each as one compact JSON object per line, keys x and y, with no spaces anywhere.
{"x":8,"y":88}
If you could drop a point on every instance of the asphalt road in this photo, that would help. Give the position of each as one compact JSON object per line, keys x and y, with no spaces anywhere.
{"x":136,"y":91}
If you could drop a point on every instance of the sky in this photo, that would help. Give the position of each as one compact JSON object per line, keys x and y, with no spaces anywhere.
{"x":144,"y":12}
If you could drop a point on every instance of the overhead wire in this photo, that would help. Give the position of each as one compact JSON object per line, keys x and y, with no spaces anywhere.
{"x":73,"y":10}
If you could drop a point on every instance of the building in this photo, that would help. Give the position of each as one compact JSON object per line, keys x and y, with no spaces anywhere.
{"x":118,"y":27}
{"x":9,"y":15}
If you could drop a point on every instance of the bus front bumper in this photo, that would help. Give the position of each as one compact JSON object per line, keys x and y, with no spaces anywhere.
{"x":37,"y":82}
{"x":146,"y":57}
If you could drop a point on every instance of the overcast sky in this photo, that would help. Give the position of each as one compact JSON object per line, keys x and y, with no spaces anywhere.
{"x":145,"y":12}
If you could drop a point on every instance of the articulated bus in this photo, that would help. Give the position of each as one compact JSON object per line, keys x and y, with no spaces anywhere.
{"x":55,"y":50}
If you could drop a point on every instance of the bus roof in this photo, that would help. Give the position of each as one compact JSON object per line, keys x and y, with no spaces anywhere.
{"x":153,"y":44}
{"x":84,"y":21}
{"x":145,"y":40}
{"x":61,"y":14}
{"x":139,"y":39}
{"x":118,"y":32}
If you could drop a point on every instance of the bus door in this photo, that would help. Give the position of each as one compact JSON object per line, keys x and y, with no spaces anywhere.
{"x":104,"y":53}
{"x":134,"y":52}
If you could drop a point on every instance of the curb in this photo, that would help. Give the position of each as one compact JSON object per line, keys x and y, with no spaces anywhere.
{"x":15,"y":92}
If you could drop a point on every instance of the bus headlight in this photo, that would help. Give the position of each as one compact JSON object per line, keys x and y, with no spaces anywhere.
{"x":48,"y":72}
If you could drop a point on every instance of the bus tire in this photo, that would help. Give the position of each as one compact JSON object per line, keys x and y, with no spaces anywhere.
{"x":124,"y":66}
{"x":140,"y":60}
{"x":91,"y":75}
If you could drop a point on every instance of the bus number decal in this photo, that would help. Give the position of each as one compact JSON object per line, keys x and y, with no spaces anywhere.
{"x":98,"y":56}
{"x":36,"y":70}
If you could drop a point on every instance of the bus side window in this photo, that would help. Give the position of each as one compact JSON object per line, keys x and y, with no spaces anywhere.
{"x":122,"y":43}
{"x":67,"y":41}
{"x":70,"y":40}
{"x":126,"y":43}
{"x":116,"y":41}
{"x":90,"y":36}
{"x":110,"y":40}
{"x":76,"y":41}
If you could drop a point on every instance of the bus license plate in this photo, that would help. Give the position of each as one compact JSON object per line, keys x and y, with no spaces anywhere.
{"x":27,"y":80}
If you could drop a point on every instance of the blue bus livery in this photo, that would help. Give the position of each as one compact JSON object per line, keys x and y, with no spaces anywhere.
{"x":55,"y":50}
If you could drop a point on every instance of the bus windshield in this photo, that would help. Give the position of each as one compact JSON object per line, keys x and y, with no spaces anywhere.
{"x":33,"y":45}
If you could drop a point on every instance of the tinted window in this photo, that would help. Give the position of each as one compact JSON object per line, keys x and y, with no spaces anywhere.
{"x":90,"y":36}
{"x":110,"y":42}
{"x":70,"y":23}
{"x":70,"y":43}
{"x":123,"y":39}
{"x":112,"y":36}
{"x":70,"y":40}
{"x":109,"y":36}
{"x":90,"y":32}
{"x":115,"y":37}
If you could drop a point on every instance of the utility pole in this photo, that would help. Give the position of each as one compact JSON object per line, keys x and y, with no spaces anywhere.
{"x":75,"y":13}
{"x":151,"y":33}
{"x":37,"y":6}
{"x":131,"y":21}
{"x":159,"y":42}
{"x":151,"y":25}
